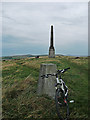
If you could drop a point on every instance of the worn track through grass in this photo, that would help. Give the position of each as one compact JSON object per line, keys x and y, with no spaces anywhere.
{"x":19,"y":94}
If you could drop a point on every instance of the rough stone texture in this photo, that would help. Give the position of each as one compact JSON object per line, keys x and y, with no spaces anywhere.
{"x":51,"y":53}
{"x":47,"y":85}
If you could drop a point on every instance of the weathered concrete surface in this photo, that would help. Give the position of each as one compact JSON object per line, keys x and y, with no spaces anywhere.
{"x":51,"y":53}
{"x":47,"y":85}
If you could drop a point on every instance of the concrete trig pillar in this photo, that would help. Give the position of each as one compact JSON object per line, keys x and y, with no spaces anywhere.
{"x":47,"y":85}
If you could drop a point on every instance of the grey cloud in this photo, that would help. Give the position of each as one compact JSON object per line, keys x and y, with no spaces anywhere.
{"x":30,"y":22}
{"x":15,"y":21}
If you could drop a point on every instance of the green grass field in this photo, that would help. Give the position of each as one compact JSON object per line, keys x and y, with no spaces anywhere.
{"x":19,"y":97}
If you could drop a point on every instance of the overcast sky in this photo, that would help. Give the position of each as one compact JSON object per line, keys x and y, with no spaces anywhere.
{"x":26,"y":28}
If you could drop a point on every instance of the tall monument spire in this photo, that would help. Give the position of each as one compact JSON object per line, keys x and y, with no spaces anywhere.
{"x":51,"y":48}
{"x":51,"y":43}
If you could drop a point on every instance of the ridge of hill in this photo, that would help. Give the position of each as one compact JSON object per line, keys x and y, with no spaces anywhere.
{"x":19,"y":96}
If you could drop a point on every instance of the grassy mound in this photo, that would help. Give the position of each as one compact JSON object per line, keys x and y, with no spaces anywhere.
{"x":20,"y":100}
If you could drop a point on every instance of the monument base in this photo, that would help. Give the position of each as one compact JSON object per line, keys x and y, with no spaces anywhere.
{"x":51,"y":53}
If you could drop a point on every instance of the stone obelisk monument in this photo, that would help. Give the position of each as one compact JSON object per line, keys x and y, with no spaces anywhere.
{"x":51,"y":48}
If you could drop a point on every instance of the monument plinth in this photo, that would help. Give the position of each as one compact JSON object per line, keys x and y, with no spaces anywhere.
{"x":51,"y":48}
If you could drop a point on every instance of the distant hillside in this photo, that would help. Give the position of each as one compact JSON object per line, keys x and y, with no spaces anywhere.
{"x":17,"y":57}
{"x":29,"y":55}
{"x":24,"y":56}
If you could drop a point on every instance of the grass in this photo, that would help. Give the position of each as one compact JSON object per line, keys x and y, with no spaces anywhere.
{"x":20,"y":100}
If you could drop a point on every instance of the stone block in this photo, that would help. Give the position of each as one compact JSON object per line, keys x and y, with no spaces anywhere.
{"x":51,"y":53}
{"x":47,"y":85}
